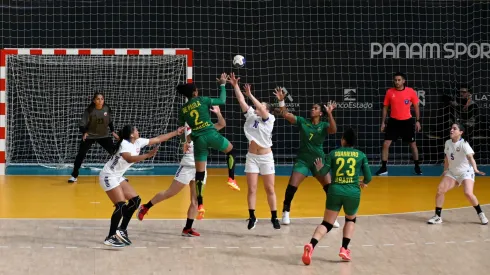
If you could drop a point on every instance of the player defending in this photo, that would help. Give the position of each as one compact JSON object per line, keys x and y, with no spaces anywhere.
{"x":345,"y":191}
{"x":313,"y":133}
{"x":459,"y":168}
{"x":127,"y":152}
{"x":258,"y":128}
{"x":184,"y":176}
{"x":195,"y":113}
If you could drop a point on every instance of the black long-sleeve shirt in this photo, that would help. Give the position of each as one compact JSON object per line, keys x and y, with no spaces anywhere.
{"x":96,"y":123}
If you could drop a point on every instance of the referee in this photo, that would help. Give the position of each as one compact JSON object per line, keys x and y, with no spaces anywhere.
{"x":400,"y":124}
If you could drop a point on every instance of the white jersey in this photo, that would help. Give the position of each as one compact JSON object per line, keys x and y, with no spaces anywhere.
{"x":117,"y":165}
{"x":188,"y":158}
{"x":457,"y":156}
{"x":257,"y":129}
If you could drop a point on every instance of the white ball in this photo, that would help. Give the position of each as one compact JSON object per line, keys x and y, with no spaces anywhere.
{"x":239,"y":61}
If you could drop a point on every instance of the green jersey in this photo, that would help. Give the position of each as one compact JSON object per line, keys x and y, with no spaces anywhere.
{"x":311,"y":138}
{"x":195,"y":112}
{"x":346,"y":164}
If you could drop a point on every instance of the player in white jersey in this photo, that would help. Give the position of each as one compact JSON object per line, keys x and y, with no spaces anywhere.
{"x":126,"y":153}
{"x":184,"y":176}
{"x":258,"y":127}
{"x":459,"y":168}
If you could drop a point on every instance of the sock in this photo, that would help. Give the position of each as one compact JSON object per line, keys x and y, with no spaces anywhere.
{"x":345,"y":242}
{"x":383,"y":164}
{"x":199,"y":185}
{"x":313,"y":242}
{"x":188,"y":224}
{"x":417,"y":162}
{"x":116,"y":217}
{"x":251,"y":213}
{"x":438,"y":211}
{"x":230,"y":160}
{"x":149,"y":205}
{"x":132,"y":205}
{"x":478,"y":209}
{"x":325,"y":188}
{"x":290,"y":190}
{"x":274,"y":215}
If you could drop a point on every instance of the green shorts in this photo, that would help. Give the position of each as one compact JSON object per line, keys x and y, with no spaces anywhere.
{"x":350,"y":204}
{"x":306,"y":166}
{"x":213,"y":139}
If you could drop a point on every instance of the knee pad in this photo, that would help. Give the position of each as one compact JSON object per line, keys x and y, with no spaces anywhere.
{"x":200,"y":176}
{"x":328,"y":225}
{"x":119,"y":208}
{"x":134,"y":202}
{"x":348,"y":220}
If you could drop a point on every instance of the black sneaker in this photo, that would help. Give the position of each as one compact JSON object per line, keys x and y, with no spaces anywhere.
{"x":417,"y":170}
{"x":382,"y":171}
{"x":113,"y":241}
{"x":251,"y":223}
{"x":275,"y":224}
{"x":123,"y":236}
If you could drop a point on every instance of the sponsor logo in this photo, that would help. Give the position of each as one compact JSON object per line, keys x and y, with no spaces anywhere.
{"x":350,"y":101}
{"x":429,"y":50}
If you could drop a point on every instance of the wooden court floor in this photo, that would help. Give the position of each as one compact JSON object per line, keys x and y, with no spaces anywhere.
{"x":48,"y":226}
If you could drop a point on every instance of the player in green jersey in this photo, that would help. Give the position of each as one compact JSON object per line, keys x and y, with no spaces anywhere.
{"x":195,"y":112}
{"x":346,"y":164}
{"x":312,"y":134}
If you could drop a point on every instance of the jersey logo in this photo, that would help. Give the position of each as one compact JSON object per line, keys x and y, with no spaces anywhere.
{"x":318,"y":130}
{"x":458,"y":149}
{"x":105,"y":113}
{"x":407,"y":101}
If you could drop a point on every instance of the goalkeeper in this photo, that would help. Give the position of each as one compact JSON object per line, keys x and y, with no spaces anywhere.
{"x":195,"y":112}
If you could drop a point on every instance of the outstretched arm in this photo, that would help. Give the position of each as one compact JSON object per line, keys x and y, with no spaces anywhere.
{"x":132,"y":159}
{"x":238,"y":93}
{"x":332,"y":129}
{"x":283,"y":111}
{"x":221,"y":120}
{"x":259,"y":107}
{"x":222,"y":95}
{"x":165,"y":137}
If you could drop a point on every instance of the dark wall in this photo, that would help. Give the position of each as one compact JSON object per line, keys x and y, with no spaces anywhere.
{"x":315,"y":49}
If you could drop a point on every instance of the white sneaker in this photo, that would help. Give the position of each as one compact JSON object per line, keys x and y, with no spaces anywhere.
{"x":336,"y":224}
{"x":285,"y":218}
{"x":435,"y":220}
{"x":72,"y":180}
{"x":483,"y":219}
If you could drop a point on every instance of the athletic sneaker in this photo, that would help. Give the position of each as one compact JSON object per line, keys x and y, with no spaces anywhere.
{"x":383,"y":171}
{"x":113,"y":241}
{"x":336,"y":224}
{"x":344,"y":254}
{"x":233,"y":185}
{"x":436,"y":220}
{"x":251,"y":223}
{"x":200,"y":212}
{"x":275,"y":224}
{"x":483,"y":219}
{"x":417,"y":170}
{"x":190,"y":233}
{"x":122,"y":235}
{"x":285,"y":218}
{"x":308,"y":252}
{"x":72,"y":180}
{"x":142,"y":211}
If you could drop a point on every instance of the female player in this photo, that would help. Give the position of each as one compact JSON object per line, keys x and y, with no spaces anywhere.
{"x":345,"y":191}
{"x":459,"y":168}
{"x":258,"y":128}
{"x":183,"y":177}
{"x":313,"y":132}
{"x":95,"y":120}
{"x":117,"y":187}
{"x":195,"y":113}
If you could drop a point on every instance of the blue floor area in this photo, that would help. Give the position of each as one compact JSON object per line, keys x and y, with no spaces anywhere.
{"x":432,"y":170}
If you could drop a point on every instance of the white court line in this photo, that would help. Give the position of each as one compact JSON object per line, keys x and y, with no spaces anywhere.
{"x":4,"y":246}
{"x":367,"y":245}
{"x":323,"y":246}
{"x":71,"y":247}
{"x":50,"y":247}
{"x":210,"y":247}
{"x":186,"y":247}
{"x":256,"y":247}
{"x":388,"y":244}
{"x":300,"y":246}
{"x":487,"y":240}
{"x":140,"y":247}
{"x":233,"y":247}
{"x":163,"y":247}
{"x":409,"y":244}
{"x":26,"y":247}
{"x":278,"y":247}
{"x":430,"y":243}
{"x":451,"y":242}
{"x":470,"y":241}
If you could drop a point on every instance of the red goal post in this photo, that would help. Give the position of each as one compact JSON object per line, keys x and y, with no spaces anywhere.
{"x":36,"y":51}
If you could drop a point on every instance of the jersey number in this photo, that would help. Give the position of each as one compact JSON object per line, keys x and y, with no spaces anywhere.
{"x":352,"y":167}
{"x":100,"y":121}
{"x":452,"y":156}
{"x":114,"y":163}
{"x":256,"y":124}
{"x":195,"y":113}
{"x":311,"y":136}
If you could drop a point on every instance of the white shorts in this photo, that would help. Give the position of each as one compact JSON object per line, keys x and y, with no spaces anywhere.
{"x":187,"y":173}
{"x":263,"y":164}
{"x":468,"y":175}
{"x":108,"y":182}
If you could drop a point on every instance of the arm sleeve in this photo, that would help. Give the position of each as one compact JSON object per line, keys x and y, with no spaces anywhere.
{"x":366,"y":171}
{"x":222,"y":97}
{"x":142,"y":142}
{"x":181,"y":119}
{"x":84,"y":122}
{"x":111,"y":122}
{"x":299,"y":120}
{"x":387,"y":99}
{"x":249,"y":112}
{"x":415,"y":98}
{"x":467,"y":148}
{"x":125,"y":148}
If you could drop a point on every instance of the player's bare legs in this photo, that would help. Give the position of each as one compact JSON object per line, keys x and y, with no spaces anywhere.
{"x":133,"y":204}
{"x":188,"y":231}
{"x":269,"y":182}
{"x":252,"y":179}
{"x":446,"y":184}
{"x":174,"y":188}
{"x":294,"y":181}
{"x":230,"y":161}
{"x":468,"y":186}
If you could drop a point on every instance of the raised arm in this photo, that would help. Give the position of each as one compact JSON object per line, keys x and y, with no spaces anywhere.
{"x":222,"y":94}
{"x":283,"y":111}
{"x":165,"y":137}
{"x":221,"y":120}
{"x":332,"y":129}
{"x":238,"y":93}
{"x":259,"y":107}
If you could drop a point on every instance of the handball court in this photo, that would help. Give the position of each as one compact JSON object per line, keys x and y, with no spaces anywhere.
{"x":51,"y":227}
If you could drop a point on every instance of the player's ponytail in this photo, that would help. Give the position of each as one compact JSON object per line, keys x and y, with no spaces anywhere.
{"x":124,"y":134}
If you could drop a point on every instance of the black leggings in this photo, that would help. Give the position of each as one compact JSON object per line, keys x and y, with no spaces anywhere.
{"x":85,"y":145}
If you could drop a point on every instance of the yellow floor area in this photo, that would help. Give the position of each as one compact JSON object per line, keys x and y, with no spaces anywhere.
{"x":53,"y":197}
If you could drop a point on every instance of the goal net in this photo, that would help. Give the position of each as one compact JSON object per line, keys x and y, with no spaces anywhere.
{"x":48,"y":93}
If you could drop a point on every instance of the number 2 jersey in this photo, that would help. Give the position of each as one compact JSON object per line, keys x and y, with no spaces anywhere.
{"x":345,"y":165}
{"x":117,"y":165}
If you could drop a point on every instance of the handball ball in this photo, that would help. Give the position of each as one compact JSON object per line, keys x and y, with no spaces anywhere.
{"x":238,"y":61}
